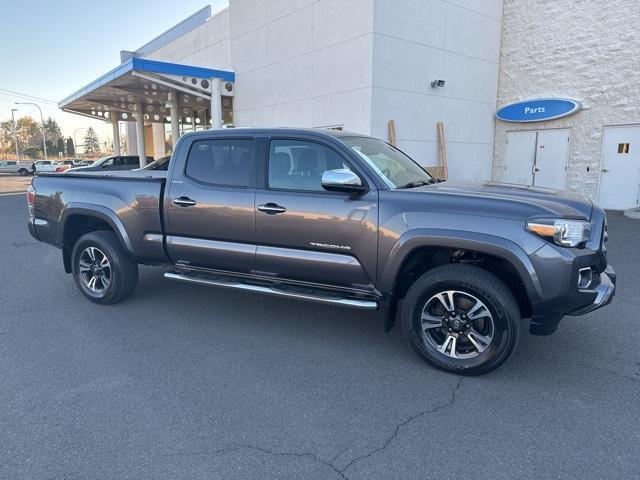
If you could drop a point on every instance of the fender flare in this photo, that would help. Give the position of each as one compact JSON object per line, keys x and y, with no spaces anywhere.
{"x":96,"y":211}
{"x":480,"y":242}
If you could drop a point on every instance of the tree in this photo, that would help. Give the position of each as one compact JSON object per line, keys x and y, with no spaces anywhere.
{"x":6,"y":134}
{"x":91,"y":141}
{"x":71,"y":151}
{"x":52,"y":130}
{"x":28,"y":132}
{"x":61,"y":145}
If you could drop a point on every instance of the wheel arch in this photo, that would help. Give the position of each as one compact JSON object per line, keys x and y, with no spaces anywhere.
{"x":78,"y":219}
{"x":412,"y":246}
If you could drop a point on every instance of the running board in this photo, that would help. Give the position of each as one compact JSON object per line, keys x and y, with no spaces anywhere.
{"x":331,"y":300}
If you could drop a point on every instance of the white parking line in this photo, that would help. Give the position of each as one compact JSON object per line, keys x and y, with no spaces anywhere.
{"x":11,"y":193}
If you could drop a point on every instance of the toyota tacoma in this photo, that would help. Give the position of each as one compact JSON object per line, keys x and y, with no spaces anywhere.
{"x":337,"y":218}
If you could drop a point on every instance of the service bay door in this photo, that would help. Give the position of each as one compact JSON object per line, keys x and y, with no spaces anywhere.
{"x":620,"y":175}
{"x":538,"y":158}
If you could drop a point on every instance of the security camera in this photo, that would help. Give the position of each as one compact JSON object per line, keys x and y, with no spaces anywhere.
{"x":437,"y":84}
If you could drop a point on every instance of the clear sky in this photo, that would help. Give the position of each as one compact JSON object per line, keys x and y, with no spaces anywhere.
{"x":50,"y":49}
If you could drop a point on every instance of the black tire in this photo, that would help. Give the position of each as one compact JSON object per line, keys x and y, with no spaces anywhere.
{"x":123,"y":274}
{"x":470,"y":283}
{"x":23,"y":172}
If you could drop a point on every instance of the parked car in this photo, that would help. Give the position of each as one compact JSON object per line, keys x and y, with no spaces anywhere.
{"x":42,"y":166}
{"x":83,"y":163}
{"x":122,"y":162}
{"x":342,"y":219}
{"x":159,"y":164}
{"x":64,"y":165}
{"x":11,"y":166}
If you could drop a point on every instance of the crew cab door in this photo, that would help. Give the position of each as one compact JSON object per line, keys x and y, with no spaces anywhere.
{"x":209,"y":204}
{"x":306,"y":233}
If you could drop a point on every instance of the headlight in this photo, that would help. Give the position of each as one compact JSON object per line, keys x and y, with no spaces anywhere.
{"x":566,"y":233}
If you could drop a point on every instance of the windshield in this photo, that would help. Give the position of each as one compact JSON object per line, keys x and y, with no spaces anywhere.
{"x":394,"y":167}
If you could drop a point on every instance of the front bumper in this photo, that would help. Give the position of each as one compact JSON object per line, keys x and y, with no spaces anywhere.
{"x":605,"y":291}
{"x":558,"y":269}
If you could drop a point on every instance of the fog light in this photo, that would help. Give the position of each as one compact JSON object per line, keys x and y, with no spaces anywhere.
{"x":585,"y":277}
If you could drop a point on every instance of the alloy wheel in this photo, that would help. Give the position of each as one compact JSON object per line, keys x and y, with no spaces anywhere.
{"x":457,"y":324}
{"x":95,"y":270}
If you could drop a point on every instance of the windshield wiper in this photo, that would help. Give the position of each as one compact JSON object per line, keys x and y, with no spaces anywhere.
{"x":415,"y":183}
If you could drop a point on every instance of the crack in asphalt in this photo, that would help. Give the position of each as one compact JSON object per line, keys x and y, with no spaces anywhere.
{"x":246,"y":446}
{"x":404,"y":423}
{"x":339,"y":471}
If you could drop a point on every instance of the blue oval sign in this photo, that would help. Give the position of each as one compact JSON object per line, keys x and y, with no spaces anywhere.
{"x":538,"y":110}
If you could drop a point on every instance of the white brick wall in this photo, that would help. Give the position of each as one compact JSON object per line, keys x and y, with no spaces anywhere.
{"x":587,"y":50}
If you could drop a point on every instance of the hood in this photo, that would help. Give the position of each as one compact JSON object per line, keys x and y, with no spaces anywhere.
{"x":555,"y":203}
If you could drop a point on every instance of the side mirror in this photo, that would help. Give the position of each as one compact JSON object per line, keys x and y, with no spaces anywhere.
{"x":342,"y":180}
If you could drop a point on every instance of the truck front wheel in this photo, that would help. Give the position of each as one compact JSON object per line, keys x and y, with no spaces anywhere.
{"x":461,"y":319}
{"x":102,"y":269}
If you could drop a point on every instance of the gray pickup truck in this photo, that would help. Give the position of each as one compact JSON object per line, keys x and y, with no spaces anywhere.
{"x":342,"y":219}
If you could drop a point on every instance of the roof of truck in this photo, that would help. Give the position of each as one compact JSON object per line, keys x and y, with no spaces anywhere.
{"x":277,"y":131}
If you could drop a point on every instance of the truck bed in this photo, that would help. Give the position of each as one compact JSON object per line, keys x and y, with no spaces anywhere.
{"x":129,"y":202}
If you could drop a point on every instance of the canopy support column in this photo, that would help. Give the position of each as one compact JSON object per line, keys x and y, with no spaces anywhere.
{"x":142,"y":151}
{"x":216,"y":103}
{"x":172,"y":105}
{"x":116,"y":134}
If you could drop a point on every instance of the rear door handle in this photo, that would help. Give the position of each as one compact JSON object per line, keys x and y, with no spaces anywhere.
{"x":271,"y":208}
{"x":184,"y":202}
{"x":605,"y":170}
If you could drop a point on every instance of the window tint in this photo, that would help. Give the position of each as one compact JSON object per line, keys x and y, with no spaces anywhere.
{"x":299,"y":165}
{"x":11,"y":163}
{"x":221,"y":162}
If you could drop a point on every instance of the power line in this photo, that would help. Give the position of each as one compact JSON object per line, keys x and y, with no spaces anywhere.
{"x":14,"y":93}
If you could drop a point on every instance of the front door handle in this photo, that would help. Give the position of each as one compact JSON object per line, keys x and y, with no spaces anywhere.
{"x":271,"y":208}
{"x":605,"y":170}
{"x":184,"y":202}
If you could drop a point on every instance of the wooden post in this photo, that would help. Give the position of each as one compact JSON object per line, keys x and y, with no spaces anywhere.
{"x":391,"y":126}
{"x":443,"y":150}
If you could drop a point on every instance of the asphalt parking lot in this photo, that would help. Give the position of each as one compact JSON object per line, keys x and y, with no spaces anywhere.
{"x":192,"y":382}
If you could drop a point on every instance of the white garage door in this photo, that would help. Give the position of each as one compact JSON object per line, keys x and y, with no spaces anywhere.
{"x":620,"y":176}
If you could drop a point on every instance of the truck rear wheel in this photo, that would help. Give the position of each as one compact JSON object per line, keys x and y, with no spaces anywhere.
{"x":102,"y":269}
{"x":23,"y":172}
{"x":461,"y":319}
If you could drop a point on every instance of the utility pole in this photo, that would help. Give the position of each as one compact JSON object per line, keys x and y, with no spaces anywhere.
{"x":44,"y":138}
{"x":15,"y":137}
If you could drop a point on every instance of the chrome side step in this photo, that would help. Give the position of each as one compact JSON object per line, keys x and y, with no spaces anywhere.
{"x":332,"y":300}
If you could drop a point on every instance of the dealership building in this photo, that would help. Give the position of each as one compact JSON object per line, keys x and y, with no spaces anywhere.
{"x":532,"y":92}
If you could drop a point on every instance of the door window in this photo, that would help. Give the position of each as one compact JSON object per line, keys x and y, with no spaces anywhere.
{"x":299,"y":165}
{"x":221,"y":162}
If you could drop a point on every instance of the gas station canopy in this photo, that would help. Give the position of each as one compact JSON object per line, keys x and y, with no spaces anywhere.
{"x":157,"y":89}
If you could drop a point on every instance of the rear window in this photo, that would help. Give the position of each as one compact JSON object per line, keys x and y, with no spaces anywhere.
{"x":221,"y":162}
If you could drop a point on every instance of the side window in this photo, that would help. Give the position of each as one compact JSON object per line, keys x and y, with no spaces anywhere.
{"x":108,"y":163}
{"x":133,"y":161}
{"x":299,"y":165}
{"x":11,"y":163}
{"x":224,"y":162}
